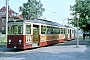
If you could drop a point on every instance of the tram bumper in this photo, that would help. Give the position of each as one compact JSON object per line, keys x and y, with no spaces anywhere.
{"x":12,"y":45}
{"x":17,"y":46}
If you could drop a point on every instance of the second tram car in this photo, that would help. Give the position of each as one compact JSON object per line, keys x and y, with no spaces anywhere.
{"x":24,"y":34}
{"x":70,"y":33}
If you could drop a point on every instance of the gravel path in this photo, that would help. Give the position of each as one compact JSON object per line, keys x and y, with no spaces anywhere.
{"x":66,"y":51}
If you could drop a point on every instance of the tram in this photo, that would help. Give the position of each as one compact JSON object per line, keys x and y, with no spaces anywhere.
{"x":24,"y":34}
{"x":70,"y":33}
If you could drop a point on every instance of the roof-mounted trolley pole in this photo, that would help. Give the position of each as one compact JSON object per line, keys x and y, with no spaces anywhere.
{"x":6,"y":17}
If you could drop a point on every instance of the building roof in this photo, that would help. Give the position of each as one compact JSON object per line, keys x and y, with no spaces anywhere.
{"x":10,"y":11}
{"x":20,"y":16}
{"x":3,"y":9}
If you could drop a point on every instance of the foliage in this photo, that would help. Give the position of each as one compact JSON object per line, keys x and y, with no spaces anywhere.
{"x":3,"y":40}
{"x":33,"y":9}
{"x":83,"y":8}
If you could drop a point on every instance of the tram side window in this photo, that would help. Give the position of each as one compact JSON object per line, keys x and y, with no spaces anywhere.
{"x":43,"y":29}
{"x":61,"y":30}
{"x":64,"y":31}
{"x":57,"y":31}
{"x":48,"y":30}
{"x":68,"y":31}
{"x":72,"y":31}
{"x":52,"y":30}
{"x":28,"y":29}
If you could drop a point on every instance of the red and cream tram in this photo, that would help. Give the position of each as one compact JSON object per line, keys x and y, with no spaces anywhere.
{"x":23,"y":34}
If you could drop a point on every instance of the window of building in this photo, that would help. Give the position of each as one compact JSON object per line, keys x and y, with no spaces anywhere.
{"x":3,"y":27}
{"x":3,"y":20}
{"x":15,"y":14}
{"x":2,"y":13}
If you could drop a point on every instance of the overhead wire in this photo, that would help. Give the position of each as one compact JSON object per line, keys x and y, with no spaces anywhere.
{"x":45,"y":9}
{"x":19,"y":1}
{"x":2,"y":2}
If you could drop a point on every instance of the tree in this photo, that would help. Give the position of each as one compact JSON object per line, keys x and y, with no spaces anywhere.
{"x":33,"y":9}
{"x":83,"y":8}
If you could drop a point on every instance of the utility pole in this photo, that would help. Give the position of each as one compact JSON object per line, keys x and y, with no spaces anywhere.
{"x":6,"y":17}
{"x":77,"y":17}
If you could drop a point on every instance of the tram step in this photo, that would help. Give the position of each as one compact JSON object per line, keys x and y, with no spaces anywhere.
{"x":35,"y":45}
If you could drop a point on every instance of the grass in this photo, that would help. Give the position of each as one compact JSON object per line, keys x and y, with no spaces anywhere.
{"x":3,"y":40}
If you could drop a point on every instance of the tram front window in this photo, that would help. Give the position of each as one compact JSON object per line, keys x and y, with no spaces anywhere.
{"x":15,"y":29}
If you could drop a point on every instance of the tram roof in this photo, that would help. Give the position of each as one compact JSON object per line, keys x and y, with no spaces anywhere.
{"x":47,"y":22}
{"x":70,"y":27}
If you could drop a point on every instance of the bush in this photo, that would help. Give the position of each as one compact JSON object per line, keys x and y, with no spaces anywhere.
{"x":3,"y":41}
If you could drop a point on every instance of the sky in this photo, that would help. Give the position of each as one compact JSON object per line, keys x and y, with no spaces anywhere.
{"x":55,"y":10}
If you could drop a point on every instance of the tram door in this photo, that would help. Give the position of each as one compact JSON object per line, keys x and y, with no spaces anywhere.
{"x":35,"y":35}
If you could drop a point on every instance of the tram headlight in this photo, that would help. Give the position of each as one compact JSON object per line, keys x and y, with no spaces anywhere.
{"x":9,"y":40}
{"x":20,"y":41}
